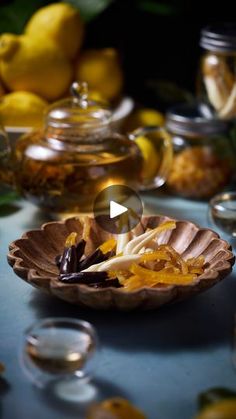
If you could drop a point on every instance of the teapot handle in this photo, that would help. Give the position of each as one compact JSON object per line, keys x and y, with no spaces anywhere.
{"x":158,"y":158}
{"x":6,"y":173}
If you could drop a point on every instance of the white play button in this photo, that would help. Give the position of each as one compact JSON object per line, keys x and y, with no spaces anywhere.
{"x":116,"y":209}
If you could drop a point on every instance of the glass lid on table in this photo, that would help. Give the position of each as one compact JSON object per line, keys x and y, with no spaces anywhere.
{"x":202,"y":163}
{"x":217,"y":74}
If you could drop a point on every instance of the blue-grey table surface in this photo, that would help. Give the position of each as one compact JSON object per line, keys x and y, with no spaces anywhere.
{"x":160,"y":360}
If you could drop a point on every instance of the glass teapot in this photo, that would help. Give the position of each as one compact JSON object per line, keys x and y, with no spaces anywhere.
{"x":63,"y":167}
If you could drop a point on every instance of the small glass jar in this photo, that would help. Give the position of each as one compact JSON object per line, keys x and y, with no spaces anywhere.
{"x":217,"y":76}
{"x":202,"y":153}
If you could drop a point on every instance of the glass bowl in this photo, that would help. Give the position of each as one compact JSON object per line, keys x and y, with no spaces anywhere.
{"x":222,"y":211}
{"x":59,"y":348}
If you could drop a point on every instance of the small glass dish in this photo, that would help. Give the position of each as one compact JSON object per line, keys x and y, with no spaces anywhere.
{"x":222,"y":211}
{"x":59,"y":349}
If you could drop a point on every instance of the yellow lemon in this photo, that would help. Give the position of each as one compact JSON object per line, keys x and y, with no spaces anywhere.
{"x":144,"y":117}
{"x":33,"y":65}
{"x":2,"y":90}
{"x":225,"y":409}
{"x":60,"y":22}
{"x":151,"y":159}
{"x":115,"y":408}
{"x":102,"y":71}
{"x":97,"y":97}
{"x":22,"y":109}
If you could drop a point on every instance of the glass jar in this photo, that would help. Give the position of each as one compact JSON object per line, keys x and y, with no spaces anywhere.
{"x":202,"y":163}
{"x":217,"y":76}
{"x":63,"y":167}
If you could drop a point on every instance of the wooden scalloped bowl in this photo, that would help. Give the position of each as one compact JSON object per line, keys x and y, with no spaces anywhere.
{"x":33,"y":259}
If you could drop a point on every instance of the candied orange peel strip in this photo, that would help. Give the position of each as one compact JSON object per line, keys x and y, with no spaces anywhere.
{"x":162,"y":277}
{"x":71,"y":239}
{"x":86,"y":228}
{"x":153,"y":256}
{"x":108,"y":245}
{"x":197,"y":271}
{"x":134,"y":282}
{"x":176,"y":258}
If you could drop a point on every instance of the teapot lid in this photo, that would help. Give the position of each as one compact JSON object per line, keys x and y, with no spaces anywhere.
{"x":78,"y":110}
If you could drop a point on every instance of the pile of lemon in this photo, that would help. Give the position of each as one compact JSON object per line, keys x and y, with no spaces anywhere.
{"x":38,"y":66}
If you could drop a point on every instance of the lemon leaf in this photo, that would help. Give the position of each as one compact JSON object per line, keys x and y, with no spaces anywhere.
{"x":8,"y":197}
{"x":14,"y":14}
{"x":159,"y":8}
{"x":89,"y":9}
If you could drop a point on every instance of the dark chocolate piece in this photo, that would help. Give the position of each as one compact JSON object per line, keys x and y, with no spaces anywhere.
{"x":84,"y":277}
{"x":95,"y":257}
{"x":58,"y":260}
{"x":114,"y":282}
{"x":69,"y":260}
{"x":80,"y":249}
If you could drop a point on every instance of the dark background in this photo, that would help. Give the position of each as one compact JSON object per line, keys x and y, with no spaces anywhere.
{"x":157,"y":46}
{"x":157,"y":40}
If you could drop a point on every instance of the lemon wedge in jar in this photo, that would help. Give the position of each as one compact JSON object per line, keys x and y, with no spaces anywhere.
{"x":151,"y":158}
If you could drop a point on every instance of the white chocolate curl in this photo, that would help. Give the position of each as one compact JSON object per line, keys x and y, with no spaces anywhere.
{"x":131,"y":250}
{"x":113,"y":264}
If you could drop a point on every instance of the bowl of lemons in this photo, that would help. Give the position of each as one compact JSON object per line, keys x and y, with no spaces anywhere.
{"x":38,"y":66}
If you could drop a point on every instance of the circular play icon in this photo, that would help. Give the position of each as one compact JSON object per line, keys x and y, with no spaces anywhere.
{"x":117,"y":209}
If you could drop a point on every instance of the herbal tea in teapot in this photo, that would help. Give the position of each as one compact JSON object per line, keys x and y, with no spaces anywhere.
{"x":65,"y":166}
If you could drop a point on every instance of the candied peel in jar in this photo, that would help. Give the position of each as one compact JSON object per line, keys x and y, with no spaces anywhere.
{"x":197,"y":172}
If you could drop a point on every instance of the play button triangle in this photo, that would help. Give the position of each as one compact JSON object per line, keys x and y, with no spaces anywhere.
{"x":116,"y":209}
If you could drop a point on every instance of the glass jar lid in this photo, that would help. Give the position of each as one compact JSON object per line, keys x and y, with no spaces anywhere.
{"x":194,"y":120}
{"x":219,"y":37}
{"x":78,"y":110}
